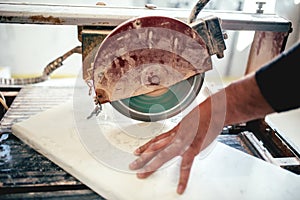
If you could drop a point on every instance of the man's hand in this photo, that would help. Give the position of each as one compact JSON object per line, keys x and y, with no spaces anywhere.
{"x":186,"y":139}
{"x":241,"y":101}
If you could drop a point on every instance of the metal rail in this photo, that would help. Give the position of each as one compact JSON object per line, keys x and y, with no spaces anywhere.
{"x":27,"y":13}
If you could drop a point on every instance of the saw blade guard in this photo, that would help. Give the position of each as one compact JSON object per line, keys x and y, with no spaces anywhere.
{"x":150,"y":68}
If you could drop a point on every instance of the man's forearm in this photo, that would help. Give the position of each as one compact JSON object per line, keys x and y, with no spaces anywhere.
{"x":245,"y":102}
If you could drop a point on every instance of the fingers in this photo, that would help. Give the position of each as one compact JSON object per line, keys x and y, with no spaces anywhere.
{"x":161,"y":158}
{"x":143,"y":148}
{"x":162,"y":149}
{"x":185,"y":169}
{"x":152,"y":150}
{"x":142,"y":160}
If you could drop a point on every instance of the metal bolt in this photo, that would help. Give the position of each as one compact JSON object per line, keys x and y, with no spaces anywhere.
{"x":154,"y":80}
{"x":225,"y":35}
{"x":150,"y":6}
{"x":260,"y":5}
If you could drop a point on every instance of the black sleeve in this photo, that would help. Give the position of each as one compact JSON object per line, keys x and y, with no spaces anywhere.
{"x":279,"y":80}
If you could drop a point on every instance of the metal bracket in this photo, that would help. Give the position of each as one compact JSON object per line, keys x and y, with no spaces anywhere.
{"x":209,"y":29}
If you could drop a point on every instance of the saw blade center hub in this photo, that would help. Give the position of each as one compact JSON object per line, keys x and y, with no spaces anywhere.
{"x":154,"y":80}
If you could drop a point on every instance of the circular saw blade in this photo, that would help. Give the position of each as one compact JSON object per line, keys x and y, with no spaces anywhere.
{"x":145,"y":54}
{"x":162,"y":104}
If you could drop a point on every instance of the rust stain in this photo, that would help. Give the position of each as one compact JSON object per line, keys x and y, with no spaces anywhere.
{"x":101,"y":3}
{"x":50,"y":19}
{"x":260,"y":42}
{"x":5,"y":19}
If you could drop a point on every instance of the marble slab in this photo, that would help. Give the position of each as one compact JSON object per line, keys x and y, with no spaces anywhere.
{"x":97,"y":152}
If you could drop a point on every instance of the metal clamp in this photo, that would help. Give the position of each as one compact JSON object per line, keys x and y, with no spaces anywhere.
{"x":210,"y":30}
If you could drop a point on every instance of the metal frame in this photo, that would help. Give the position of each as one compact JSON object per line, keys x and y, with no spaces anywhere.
{"x":112,"y":16}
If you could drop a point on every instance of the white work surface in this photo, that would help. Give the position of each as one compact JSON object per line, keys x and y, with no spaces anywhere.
{"x":100,"y":159}
{"x":287,"y":125}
